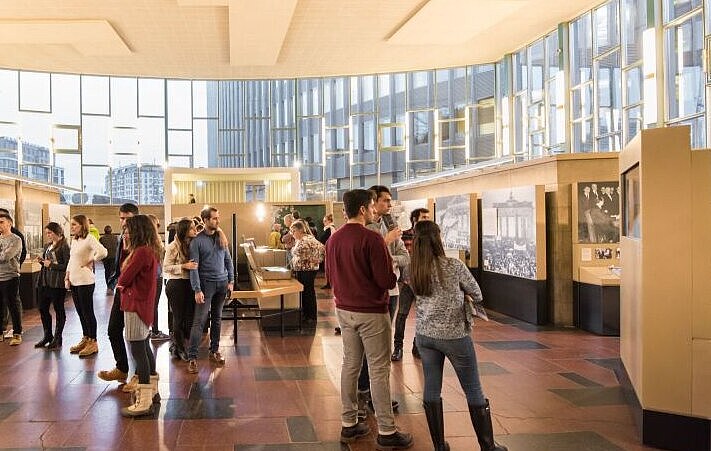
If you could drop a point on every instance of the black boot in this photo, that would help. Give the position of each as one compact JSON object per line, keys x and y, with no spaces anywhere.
{"x":435,"y":421}
{"x":397,"y":354}
{"x":47,"y":327}
{"x":481,"y":419}
{"x":44,"y":341}
{"x":56,"y":343}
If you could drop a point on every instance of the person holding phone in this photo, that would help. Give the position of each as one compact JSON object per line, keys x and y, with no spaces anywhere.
{"x":50,"y":285}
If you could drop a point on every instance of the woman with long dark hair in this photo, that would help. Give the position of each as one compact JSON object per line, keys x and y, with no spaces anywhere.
{"x":137,"y":285}
{"x":80,"y":278}
{"x":176,"y":267}
{"x":444,"y":330}
{"x":50,"y":286}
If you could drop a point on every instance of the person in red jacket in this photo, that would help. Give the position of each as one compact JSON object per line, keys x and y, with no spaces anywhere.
{"x":359,"y":267}
{"x":137,"y":286}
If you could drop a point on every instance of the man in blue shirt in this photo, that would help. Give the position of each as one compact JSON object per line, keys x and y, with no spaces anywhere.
{"x":211,"y":282}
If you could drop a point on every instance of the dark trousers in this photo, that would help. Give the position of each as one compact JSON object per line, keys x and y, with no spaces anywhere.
{"x":364,"y":377}
{"x":144,"y":359}
{"x":215,"y":293}
{"x":308,"y":297}
{"x":115,"y":332}
{"x":403,"y":309}
{"x":54,"y":297}
{"x":109,"y":267}
{"x":10,"y":299}
{"x":181,"y":300}
{"x":159,"y":290}
{"x":83,"y":296}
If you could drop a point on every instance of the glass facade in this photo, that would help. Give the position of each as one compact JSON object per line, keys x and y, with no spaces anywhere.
{"x":589,"y":85}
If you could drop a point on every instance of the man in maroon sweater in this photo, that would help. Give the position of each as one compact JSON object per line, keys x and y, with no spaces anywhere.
{"x":359,"y":268}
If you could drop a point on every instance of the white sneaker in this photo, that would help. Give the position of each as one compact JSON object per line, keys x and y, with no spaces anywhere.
{"x":8,"y":334}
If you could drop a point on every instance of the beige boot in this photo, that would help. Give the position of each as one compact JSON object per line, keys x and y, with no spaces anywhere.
{"x":91,"y":348}
{"x":143,"y":404}
{"x":130,"y":387}
{"x":154,"y":387}
{"x":79,"y":346}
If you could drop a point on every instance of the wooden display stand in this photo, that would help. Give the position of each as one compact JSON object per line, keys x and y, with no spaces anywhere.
{"x":665,"y":317}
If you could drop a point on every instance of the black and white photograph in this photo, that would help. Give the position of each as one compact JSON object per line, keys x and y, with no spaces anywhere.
{"x":405,"y":207}
{"x":603,"y":253}
{"x":453,"y":215}
{"x":598,"y":212}
{"x":509,"y":231}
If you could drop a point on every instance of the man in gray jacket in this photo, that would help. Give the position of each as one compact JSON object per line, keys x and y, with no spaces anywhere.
{"x":10,"y":250}
{"x":401,"y":258}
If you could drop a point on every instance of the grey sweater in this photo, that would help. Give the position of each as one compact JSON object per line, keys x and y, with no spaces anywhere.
{"x":214,"y":261}
{"x":10,"y":250}
{"x":441,"y":315}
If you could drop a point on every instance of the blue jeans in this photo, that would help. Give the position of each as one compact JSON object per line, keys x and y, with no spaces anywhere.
{"x":460,"y":352}
{"x":215,"y":293}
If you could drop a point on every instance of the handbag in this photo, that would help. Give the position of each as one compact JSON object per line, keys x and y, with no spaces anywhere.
{"x":473,"y":310}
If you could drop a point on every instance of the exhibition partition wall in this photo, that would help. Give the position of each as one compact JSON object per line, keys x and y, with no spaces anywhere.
{"x":665,"y":292}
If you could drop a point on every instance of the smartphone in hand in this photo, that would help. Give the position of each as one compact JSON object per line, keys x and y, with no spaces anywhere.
{"x":389,"y":221}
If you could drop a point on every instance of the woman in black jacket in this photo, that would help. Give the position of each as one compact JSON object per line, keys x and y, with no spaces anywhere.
{"x":50,"y":286}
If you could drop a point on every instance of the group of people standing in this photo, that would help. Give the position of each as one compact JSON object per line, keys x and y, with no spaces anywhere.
{"x":362,"y":262}
{"x":200,"y":275}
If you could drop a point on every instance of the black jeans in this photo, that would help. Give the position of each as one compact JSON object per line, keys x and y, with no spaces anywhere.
{"x":54,"y":297}
{"x":115,"y":332}
{"x":159,"y":290}
{"x":364,"y":377}
{"x":308,"y":297}
{"x":10,"y":299}
{"x":144,"y":359}
{"x":109,"y":268}
{"x":83,"y":296}
{"x":404,"y":304}
{"x":181,"y":299}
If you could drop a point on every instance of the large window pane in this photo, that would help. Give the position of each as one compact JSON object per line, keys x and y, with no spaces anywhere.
{"x":151,"y":97}
{"x":633,"y":84}
{"x":9,"y":95}
{"x":420,"y":90}
{"x":179,"y":104}
{"x":582,"y":136}
{"x":124,"y":98}
{"x":607,"y":33}
{"x":634,"y":22}
{"x":97,"y":185}
{"x":580,"y":50}
{"x":35,"y":90}
{"x":609,"y":94}
{"x":677,"y":8}
{"x":95,"y":139}
{"x":180,"y":142}
{"x":205,"y":143}
{"x":633,"y":122}
{"x":69,"y":167}
{"x":536,"y":61}
{"x":204,"y":99}
{"x":65,"y":99}
{"x":151,"y":135}
{"x":95,"y":95}
{"x":683,"y":62}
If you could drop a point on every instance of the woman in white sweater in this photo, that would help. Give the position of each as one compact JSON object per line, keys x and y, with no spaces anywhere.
{"x":80,"y":278}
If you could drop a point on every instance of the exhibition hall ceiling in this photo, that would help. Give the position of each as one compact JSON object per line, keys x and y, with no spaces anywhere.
{"x":223,"y":39}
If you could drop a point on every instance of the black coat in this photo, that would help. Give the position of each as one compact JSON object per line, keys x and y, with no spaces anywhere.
{"x":53,"y":277}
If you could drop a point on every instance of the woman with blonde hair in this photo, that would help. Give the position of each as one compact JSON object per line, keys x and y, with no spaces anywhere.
{"x":80,"y":279}
{"x":306,"y":255}
{"x":137,"y":285}
{"x":444,"y":330}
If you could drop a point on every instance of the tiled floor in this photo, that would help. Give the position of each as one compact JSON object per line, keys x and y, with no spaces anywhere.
{"x":550,"y":389}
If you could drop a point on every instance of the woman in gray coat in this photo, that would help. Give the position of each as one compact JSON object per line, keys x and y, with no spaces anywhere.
{"x":50,"y":285}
